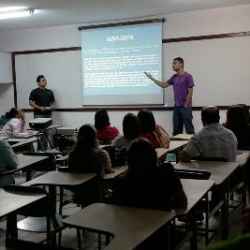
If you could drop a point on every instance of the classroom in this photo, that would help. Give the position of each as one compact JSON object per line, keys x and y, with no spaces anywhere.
{"x":212,"y":38}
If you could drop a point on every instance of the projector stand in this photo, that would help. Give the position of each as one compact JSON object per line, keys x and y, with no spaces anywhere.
{"x":43,"y":137}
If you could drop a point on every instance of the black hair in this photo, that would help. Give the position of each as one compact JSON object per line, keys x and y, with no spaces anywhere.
{"x":11,"y":114}
{"x":235,"y":117}
{"x":80,"y":157}
{"x":142,"y":157}
{"x":147,"y":121}
{"x":246,"y":111}
{"x":210,"y":115}
{"x":179,"y":59}
{"x":101,"y":119}
{"x":131,"y":126}
{"x":38,"y":79}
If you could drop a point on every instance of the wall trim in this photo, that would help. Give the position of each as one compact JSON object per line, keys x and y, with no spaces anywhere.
{"x":90,"y":109}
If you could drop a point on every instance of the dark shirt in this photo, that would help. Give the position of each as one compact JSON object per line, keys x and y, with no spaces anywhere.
{"x":154,"y":190}
{"x":43,"y":98}
{"x":242,"y":134}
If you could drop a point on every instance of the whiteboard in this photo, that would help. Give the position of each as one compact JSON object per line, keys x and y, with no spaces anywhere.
{"x":219,"y":67}
{"x":62,"y":71}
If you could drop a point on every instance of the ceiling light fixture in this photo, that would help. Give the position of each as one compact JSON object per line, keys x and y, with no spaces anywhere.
{"x":15,"y":12}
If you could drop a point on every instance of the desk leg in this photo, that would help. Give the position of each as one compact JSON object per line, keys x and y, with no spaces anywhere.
{"x":28,"y":174}
{"x":207,"y":220}
{"x":225,"y":214}
{"x":52,"y":207}
{"x":12,"y":226}
{"x":193,"y":240}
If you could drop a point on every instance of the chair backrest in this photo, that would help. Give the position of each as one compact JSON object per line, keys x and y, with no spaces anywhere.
{"x":117,"y":155}
{"x":189,"y":174}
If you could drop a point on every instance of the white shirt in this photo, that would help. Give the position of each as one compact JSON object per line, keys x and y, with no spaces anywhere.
{"x":213,"y":140}
{"x":13,"y":127}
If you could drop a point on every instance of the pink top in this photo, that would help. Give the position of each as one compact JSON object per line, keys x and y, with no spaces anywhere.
{"x":159,"y":138}
{"x":13,"y":127}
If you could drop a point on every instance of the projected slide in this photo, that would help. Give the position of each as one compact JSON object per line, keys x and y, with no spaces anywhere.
{"x":114,"y":61}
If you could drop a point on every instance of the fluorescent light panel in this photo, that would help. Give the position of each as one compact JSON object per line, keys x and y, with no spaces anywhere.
{"x":15,"y":12}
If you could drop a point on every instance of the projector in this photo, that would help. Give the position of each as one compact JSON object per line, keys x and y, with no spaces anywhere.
{"x":40,"y":123}
{"x":68,"y":131}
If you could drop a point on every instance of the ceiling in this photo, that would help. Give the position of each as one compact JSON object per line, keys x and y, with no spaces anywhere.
{"x":67,"y":12}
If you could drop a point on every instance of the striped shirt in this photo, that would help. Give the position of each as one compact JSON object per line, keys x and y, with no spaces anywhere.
{"x":213,"y":140}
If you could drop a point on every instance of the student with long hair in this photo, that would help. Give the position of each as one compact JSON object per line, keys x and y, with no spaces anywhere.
{"x":16,"y":123}
{"x":237,"y":122}
{"x":131,"y":130}
{"x":152,"y":131}
{"x":105,"y":131}
{"x":147,"y":185}
{"x":87,"y":157}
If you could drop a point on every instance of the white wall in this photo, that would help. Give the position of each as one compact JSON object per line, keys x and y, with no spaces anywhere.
{"x":213,"y":21}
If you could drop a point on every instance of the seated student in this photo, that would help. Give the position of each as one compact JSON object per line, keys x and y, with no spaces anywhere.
{"x":131,"y":130}
{"x":16,"y":123}
{"x":8,"y":161}
{"x":147,"y":185}
{"x":213,"y":140}
{"x":237,"y":122}
{"x":105,"y":132}
{"x":87,"y":157}
{"x":151,"y":131}
{"x":246,"y":111}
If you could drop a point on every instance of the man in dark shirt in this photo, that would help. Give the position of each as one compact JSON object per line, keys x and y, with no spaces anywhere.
{"x":42,"y":99}
{"x":43,"y":102}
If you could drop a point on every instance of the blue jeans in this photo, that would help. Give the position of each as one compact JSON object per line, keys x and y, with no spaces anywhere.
{"x":182,"y":116}
{"x":42,"y":142}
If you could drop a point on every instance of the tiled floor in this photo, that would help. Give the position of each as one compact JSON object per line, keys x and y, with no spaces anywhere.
{"x":89,"y":240}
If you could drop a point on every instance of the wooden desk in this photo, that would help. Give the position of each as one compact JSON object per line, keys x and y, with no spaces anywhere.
{"x":195,"y":190}
{"x":176,"y":146}
{"x":60,"y":179}
{"x":129,"y":226}
{"x":10,"y":202}
{"x":17,"y":143}
{"x":26,"y":162}
{"x":160,"y":152}
{"x":57,"y":178}
{"x":220,"y":173}
{"x":182,"y":137}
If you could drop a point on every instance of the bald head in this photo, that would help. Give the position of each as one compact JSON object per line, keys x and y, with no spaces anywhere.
{"x":210,"y":114}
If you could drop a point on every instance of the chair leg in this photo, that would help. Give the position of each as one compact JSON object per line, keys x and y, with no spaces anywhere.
{"x":59,"y":243}
{"x":79,"y":238}
{"x":99,"y":241}
{"x":61,"y":200}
